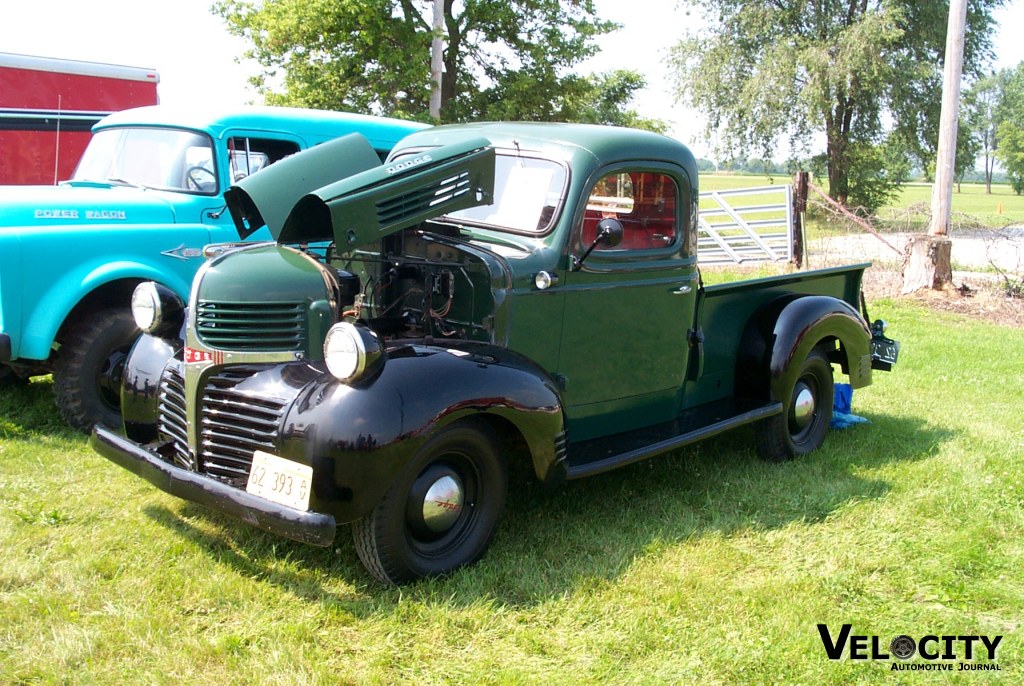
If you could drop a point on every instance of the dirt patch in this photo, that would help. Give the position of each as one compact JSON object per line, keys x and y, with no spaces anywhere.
{"x":976,"y":295}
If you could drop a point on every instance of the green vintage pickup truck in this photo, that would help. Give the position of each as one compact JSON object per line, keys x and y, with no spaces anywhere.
{"x":492,"y":293}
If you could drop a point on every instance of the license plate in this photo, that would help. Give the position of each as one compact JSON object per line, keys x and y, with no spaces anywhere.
{"x":280,"y":481}
{"x":885,"y":350}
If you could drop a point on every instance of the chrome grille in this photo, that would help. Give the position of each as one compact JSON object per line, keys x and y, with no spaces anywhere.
{"x":172,"y":421}
{"x":251,"y":326}
{"x":234,"y":425}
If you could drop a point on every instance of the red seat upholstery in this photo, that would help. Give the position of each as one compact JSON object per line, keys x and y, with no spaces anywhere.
{"x":652,"y":222}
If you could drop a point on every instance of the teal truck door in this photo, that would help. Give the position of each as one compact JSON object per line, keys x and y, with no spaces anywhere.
{"x":629,"y":307}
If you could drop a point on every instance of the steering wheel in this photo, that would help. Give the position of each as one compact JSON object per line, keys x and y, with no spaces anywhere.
{"x":195,"y":181}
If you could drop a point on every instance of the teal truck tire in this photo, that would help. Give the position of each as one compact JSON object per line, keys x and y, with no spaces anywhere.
{"x":87,"y":372}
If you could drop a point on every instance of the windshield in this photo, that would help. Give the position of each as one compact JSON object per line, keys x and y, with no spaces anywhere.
{"x":166,"y":159}
{"x":527,"y":192}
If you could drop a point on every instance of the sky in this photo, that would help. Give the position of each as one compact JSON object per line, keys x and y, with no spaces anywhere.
{"x":198,"y":60}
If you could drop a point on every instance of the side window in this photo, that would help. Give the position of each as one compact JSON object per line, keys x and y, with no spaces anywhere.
{"x":645,"y":203}
{"x":249,"y":155}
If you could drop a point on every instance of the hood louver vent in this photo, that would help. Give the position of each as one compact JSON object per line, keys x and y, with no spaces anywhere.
{"x":421,"y":200}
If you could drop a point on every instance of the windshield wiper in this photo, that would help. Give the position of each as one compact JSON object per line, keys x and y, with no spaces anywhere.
{"x":126,"y":182}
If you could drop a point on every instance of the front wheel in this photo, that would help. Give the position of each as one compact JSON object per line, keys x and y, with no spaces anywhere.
{"x":87,"y":372}
{"x":802,"y":426}
{"x":442,"y":511}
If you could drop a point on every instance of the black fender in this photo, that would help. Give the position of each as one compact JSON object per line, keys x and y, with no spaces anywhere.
{"x":359,"y":437}
{"x":780,"y":334}
{"x":140,"y":384}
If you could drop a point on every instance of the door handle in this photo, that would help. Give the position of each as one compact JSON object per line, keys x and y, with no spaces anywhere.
{"x":683,"y":290}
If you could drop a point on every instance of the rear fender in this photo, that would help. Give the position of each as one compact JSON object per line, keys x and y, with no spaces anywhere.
{"x":781,"y":334}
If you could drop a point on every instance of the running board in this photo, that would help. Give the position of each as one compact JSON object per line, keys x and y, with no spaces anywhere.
{"x":592,"y":457}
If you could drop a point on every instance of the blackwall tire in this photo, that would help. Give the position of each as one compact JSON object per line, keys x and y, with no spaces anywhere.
{"x":801,"y":428}
{"x":442,"y":511}
{"x":87,"y":371}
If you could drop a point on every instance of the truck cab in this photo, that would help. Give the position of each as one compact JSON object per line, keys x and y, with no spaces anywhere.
{"x":492,"y":293}
{"x":146,"y":198}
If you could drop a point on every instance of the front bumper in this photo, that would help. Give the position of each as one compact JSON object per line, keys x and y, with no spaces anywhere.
{"x":307,"y":527}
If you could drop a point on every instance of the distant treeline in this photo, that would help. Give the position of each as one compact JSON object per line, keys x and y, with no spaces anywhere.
{"x":760,"y":167}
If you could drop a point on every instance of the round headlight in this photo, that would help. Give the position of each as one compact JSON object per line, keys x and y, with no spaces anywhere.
{"x":351,"y":352}
{"x":146,"y":306}
{"x":157,"y":310}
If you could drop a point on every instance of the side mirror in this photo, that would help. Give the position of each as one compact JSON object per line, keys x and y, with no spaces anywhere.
{"x":609,"y":234}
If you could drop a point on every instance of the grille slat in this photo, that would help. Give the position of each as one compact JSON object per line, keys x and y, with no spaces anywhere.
{"x":172,"y":420}
{"x":251,"y":326}
{"x":234,"y":425}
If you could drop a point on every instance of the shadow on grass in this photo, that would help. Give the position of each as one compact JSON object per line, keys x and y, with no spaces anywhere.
{"x":554,"y":541}
{"x":29,"y":409}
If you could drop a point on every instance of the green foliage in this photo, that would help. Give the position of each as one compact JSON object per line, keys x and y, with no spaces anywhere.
{"x":1010,"y":131}
{"x":602,"y":100}
{"x":802,"y":68}
{"x":502,"y":60}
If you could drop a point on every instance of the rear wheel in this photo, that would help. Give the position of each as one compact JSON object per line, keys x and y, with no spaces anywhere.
{"x":88,"y":369}
{"x":441,"y":512}
{"x":802,"y":426}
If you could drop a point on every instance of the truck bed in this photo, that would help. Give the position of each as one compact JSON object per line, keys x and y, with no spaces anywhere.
{"x":724,"y":309}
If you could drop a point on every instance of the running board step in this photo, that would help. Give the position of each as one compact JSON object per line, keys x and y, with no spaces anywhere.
{"x":604,"y":454}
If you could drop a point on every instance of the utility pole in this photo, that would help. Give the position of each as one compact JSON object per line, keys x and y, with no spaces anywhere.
{"x":930,"y":263}
{"x":436,"y":60}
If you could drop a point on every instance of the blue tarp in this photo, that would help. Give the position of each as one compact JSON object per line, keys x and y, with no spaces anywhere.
{"x":842,"y":404}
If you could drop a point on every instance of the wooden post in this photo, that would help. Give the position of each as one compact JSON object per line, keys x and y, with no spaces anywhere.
{"x":436,"y":60}
{"x":930,"y":264}
{"x":800,"y":180}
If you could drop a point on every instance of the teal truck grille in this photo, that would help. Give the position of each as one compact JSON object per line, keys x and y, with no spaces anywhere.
{"x":251,"y":326}
{"x":234,"y":425}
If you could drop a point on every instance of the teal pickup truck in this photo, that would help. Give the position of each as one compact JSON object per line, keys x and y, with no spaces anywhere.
{"x":146,"y":198}
{"x":493,"y":294}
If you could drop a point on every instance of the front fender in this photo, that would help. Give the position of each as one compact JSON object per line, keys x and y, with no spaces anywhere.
{"x":781,"y":334}
{"x":140,"y":385}
{"x":60,"y":299}
{"x":363,"y":435}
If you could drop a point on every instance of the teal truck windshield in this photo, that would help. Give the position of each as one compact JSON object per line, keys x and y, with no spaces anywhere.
{"x":527,"y":191}
{"x":168,"y":159}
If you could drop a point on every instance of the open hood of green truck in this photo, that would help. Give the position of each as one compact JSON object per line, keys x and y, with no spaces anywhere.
{"x":396,"y":195}
{"x":335,"y":192}
{"x":266,"y":197}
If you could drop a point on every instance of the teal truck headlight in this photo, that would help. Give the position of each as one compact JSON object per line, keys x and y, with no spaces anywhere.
{"x":157,"y":309}
{"x":352,"y":352}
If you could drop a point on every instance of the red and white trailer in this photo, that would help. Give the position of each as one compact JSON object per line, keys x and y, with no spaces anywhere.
{"x":48,"y":107}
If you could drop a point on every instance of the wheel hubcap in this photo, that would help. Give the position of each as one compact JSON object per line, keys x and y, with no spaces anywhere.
{"x":803,"y":407}
{"x":442,"y":504}
{"x":435,"y":503}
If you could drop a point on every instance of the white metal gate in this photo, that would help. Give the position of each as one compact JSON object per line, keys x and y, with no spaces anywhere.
{"x":746,"y":225}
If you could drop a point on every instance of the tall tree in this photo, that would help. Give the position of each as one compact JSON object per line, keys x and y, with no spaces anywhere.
{"x":1010,"y":131}
{"x":502,"y":58}
{"x":983,"y":116}
{"x":797,"y":69}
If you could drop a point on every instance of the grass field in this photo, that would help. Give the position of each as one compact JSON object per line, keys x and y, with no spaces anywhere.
{"x":1001,"y":208}
{"x":705,"y":566}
